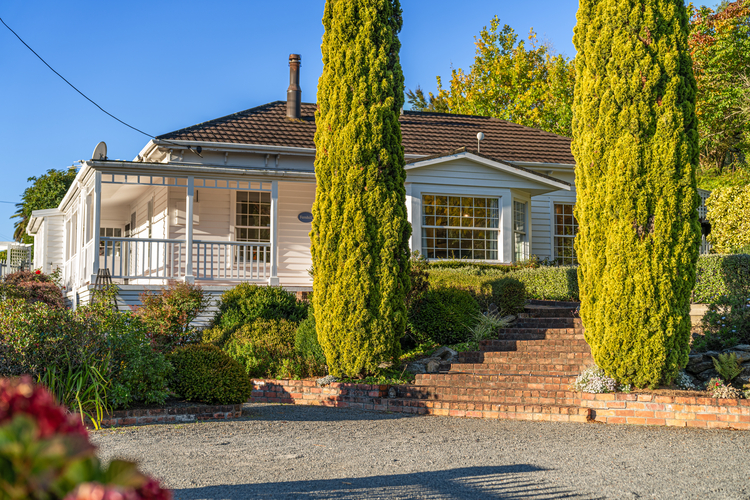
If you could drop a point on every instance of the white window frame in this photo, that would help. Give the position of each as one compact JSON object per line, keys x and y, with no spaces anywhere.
{"x":497,"y":230}
{"x":524,"y":233}
{"x":563,"y":260}
{"x":234,"y":227}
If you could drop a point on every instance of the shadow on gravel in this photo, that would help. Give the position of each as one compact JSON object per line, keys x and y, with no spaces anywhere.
{"x":303,"y":413}
{"x":497,"y":482}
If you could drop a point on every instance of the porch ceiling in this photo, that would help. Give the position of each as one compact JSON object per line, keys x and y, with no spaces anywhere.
{"x":119,"y":195}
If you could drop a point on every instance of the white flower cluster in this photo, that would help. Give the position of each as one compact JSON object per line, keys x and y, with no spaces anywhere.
{"x":595,"y":381}
{"x":684,"y":382}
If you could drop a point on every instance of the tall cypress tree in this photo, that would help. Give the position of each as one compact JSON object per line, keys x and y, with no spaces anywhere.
{"x":360,"y":230}
{"x":635,"y":142}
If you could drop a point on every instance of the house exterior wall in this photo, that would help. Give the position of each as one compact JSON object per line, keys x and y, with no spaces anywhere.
{"x":48,"y":253}
{"x":294,"y":241}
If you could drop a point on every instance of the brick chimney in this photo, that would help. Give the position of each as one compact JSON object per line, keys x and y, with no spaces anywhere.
{"x":294,"y":92}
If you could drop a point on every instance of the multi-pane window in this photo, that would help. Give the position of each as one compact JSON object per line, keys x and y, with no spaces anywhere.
{"x":253,"y":218}
{"x":459,"y":227}
{"x":520,"y":232}
{"x":112,"y":247}
{"x":566,"y":228}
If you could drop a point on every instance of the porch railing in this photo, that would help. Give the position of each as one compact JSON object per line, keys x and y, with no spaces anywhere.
{"x":138,"y":258}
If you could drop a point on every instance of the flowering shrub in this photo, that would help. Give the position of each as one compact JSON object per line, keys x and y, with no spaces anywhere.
{"x":719,"y":389}
{"x":33,"y":287}
{"x":168,"y":314}
{"x":45,"y":453}
{"x":684,"y":382}
{"x":594,"y":380}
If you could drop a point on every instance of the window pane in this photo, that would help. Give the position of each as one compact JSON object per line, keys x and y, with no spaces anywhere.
{"x":428,"y":199}
{"x":441,"y":200}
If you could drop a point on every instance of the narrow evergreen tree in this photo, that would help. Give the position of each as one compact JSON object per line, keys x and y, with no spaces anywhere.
{"x":360,"y":230}
{"x":635,"y":142}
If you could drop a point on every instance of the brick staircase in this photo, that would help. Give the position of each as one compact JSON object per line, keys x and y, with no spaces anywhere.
{"x":525,"y":373}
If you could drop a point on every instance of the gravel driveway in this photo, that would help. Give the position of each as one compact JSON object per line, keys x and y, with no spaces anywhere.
{"x":297,"y":452}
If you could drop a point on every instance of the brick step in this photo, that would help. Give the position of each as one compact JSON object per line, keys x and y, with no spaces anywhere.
{"x":545,"y":333}
{"x":547,"y":323}
{"x":549,"y":368}
{"x":539,"y":346}
{"x":539,"y":311}
{"x":562,"y":396}
{"x":561,"y":413}
{"x":495,"y":380}
{"x":479,"y":357}
{"x":555,"y":303}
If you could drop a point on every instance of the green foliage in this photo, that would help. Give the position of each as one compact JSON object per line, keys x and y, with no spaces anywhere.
{"x":486,"y":327}
{"x":247,"y":302}
{"x":728,"y":209}
{"x":719,"y":389}
{"x":169,"y":313}
{"x":720,"y":48}
{"x":45,"y":453}
{"x":727,"y":366}
{"x":510,"y":295}
{"x":360,"y":231}
{"x":207,"y":374}
{"x":266,"y":349}
{"x":306,"y":341}
{"x":549,"y":283}
{"x":46,"y":192}
{"x":711,"y":180}
{"x":725,"y":324}
{"x":635,"y":142}
{"x":31,"y":287}
{"x":215,"y":335}
{"x":443,"y":316}
{"x":510,"y":79}
{"x":722,"y":276}
{"x":419,"y":277}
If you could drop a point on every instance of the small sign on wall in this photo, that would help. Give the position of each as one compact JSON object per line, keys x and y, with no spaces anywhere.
{"x":305,"y":217}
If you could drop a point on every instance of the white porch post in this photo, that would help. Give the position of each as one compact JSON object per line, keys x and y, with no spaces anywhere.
{"x":97,"y":223}
{"x":506,"y":227}
{"x":189,"y":277}
{"x":273,"y":280}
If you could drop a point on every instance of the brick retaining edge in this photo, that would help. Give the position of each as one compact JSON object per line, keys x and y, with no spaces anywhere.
{"x":675,"y":411}
{"x":170,"y":415}
{"x":614,"y":408}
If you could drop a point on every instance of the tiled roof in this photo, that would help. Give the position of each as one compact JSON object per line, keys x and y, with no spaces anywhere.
{"x":422,"y":133}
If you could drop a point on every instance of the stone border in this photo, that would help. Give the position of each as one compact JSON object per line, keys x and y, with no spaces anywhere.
{"x":612,"y":408}
{"x":169,"y":415}
{"x":674,"y":411}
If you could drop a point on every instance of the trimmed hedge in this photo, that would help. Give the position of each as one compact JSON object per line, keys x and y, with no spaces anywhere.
{"x":207,"y":374}
{"x":442,"y":315}
{"x":549,"y":283}
{"x":721,"y":276}
{"x":717,"y":276}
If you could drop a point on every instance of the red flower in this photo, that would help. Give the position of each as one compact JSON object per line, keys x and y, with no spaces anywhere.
{"x":20,"y":396}
{"x":37,"y":272}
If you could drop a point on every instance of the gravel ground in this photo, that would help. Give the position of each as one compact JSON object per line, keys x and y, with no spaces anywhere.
{"x":297,"y":452}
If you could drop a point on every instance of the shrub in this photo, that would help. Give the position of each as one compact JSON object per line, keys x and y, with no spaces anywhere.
{"x":247,"y":302}
{"x":727,"y":366}
{"x":728,"y":209}
{"x":215,"y":335}
{"x":442,"y":315}
{"x":684,"y":382}
{"x":169,"y":313}
{"x":720,"y":276}
{"x":418,"y":276}
{"x":725,"y":324}
{"x":45,"y":453}
{"x":274,"y":333}
{"x":719,"y":389}
{"x":594,"y":380}
{"x":33,"y":287}
{"x":207,"y":374}
{"x":549,"y":283}
{"x":306,"y":341}
{"x":509,"y":295}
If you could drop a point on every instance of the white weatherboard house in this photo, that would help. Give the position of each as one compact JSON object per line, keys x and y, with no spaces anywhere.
{"x":229,"y":200}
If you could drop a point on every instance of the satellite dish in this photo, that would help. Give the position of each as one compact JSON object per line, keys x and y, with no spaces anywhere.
{"x":100,"y":151}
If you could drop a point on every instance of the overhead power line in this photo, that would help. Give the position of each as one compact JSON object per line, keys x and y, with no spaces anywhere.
{"x":84,"y":95}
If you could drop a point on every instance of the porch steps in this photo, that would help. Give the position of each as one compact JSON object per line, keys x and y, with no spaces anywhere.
{"x":524,"y":373}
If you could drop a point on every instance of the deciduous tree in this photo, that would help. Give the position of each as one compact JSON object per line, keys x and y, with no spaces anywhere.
{"x":517,"y":80}
{"x":47,"y":191}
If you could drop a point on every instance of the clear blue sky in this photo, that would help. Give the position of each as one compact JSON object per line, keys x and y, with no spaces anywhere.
{"x":164,"y":65}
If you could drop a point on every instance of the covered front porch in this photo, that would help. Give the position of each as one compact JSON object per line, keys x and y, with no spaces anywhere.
{"x":158,"y":223}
